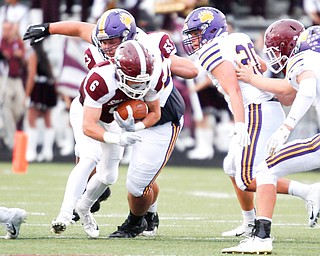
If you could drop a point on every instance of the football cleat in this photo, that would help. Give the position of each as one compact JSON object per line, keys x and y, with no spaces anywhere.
{"x":244,"y":230}
{"x":251,"y":245}
{"x":313,"y":204}
{"x":152,"y":219}
{"x":89,"y":224}
{"x":59,"y":225}
{"x":12,"y":227}
{"x":127,"y":230}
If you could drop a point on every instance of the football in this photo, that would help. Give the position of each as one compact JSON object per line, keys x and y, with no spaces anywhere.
{"x":139,"y":109}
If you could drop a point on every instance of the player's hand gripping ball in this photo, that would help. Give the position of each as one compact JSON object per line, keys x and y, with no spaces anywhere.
{"x":139,"y":109}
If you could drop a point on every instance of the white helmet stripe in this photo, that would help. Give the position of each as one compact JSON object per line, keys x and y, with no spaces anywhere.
{"x":142,"y":57}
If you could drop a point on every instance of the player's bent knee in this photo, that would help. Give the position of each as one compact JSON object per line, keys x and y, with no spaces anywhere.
{"x":109,"y":179}
{"x":240,"y":184}
{"x":228,"y":167}
{"x":135,"y":190}
{"x":264,"y":176}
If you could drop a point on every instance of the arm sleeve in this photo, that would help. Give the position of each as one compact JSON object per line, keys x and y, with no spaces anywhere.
{"x":303,"y":101}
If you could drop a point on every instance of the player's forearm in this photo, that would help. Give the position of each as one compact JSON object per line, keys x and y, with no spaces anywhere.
{"x":237,"y":106}
{"x":183,"y":67}
{"x":154,"y":114}
{"x":93,"y":131}
{"x":274,"y":85}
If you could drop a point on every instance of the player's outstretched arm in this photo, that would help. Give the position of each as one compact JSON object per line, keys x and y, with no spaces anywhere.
{"x":37,"y":32}
{"x":183,"y":67}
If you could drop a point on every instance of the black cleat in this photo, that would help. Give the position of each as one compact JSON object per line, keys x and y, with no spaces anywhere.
{"x":152,"y":219}
{"x":105,"y":195}
{"x":126,"y":230}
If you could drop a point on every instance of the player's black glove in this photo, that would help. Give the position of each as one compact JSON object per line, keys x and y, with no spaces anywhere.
{"x":36,"y":33}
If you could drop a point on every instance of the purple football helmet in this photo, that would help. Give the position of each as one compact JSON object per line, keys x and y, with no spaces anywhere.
{"x":202,"y":25}
{"x":114,"y":23}
{"x":309,"y":39}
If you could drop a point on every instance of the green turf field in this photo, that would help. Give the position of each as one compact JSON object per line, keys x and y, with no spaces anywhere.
{"x":195,"y":206}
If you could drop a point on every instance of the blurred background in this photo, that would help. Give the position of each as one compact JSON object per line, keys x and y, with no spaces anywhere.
{"x":208,"y":124}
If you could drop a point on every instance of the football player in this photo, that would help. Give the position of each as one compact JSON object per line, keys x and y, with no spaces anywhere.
{"x":299,"y":57}
{"x":206,"y":33}
{"x":114,"y":27}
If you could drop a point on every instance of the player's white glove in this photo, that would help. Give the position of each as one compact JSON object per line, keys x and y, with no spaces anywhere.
{"x":241,"y":134}
{"x":277,"y":139}
{"x":128,"y":124}
{"x":124,"y":139}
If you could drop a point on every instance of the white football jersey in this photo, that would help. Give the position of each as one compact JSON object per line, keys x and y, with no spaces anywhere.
{"x":306,"y":60}
{"x":232,"y":47}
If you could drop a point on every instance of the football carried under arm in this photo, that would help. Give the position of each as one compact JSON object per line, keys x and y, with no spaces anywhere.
{"x":129,"y":115}
{"x":91,"y":129}
{"x":144,"y":114}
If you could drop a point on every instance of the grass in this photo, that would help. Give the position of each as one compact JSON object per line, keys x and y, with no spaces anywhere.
{"x":195,"y":206}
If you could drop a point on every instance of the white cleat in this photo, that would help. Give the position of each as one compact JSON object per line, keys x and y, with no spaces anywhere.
{"x":251,"y":245}
{"x":313,"y":204}
{"x":244,"y":230}
{"x":89,"y":224}
{"x":12,"y":227}
{"x":60,"y":224}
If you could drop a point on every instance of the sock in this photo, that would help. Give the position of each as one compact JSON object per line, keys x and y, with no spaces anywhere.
{"x":94,"y":190}
{"x":299,"y":189}
{"x":249,"y":216}
{"x":262,"y":227}
{"x":134,"y":220}
{"x":153,"y":207}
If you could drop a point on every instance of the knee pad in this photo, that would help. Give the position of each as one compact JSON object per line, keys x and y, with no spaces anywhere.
{"x":229,"y":166}
{"x":107,"y":176}
{"x":264,"y":175}
{"x":110,"y":178}
{"x":134,"y":189}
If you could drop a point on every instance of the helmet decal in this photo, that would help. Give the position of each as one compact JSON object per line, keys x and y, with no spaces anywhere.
{"x":206,"y":16}
{"x":309,"y":40}
{"x":303,"y":37}
{"x":126,"y":20}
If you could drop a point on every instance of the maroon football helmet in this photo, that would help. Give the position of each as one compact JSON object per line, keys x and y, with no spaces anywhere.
{"x":279,"y":42}
{"x":134,"y":67}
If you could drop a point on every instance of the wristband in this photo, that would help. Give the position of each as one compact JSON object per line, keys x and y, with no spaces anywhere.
{"x":46,"y":29}
{"x":110,"y":137}
{"x":139,"y":126}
